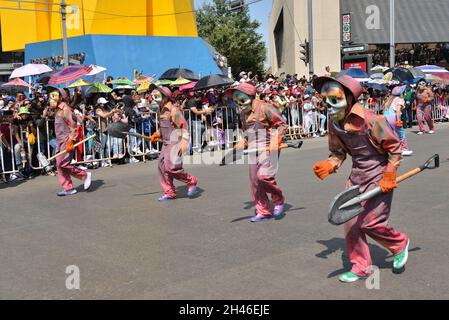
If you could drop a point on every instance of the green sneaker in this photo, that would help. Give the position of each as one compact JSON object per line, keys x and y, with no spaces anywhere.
{"x":349,"y":277}
{"x":400,"y":259}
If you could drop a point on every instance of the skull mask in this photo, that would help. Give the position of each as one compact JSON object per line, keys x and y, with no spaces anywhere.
{"x":242,"y":100}
{"x":54,"y":99}
{"x":422,"y":85}
{"x":335,"y":98}
{"x":157,"y":97}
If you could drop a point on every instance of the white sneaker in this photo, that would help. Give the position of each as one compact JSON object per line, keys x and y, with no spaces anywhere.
{"x":13,"y":177}
{"x":420,"y":133}
{"x":431,"y":132}
{"x":133,"y":160}
{"x":315,"y":135}
{"x":406,"y":153}
{"x":82,"y":168}
{"x":87,"y":181}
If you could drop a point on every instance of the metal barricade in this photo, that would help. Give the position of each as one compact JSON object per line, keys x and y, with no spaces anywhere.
{"x":11,"y":160}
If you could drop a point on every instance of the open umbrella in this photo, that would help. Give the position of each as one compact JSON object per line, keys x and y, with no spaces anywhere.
{"x":99,"y":88}
{"x":141,"y":79}
{"x":417,"y":72}
{"x":69,"y":74}
{"x":122,"y":82}
{"x":163,"y":82}
{"x":179,"y":82}
{"x":188,"y":86}
{"x":30,"y":70}
{"x":376,"y":86}
{"x":144,"y":87}
{"x":377,"y":76}
{"x":354,"y":72}
{"x":80,"y":83}
{"x":378,"y":68}
{"x":96,"y":70}
{"x":175,"y":73}
{"x":123,"y":87}
{"x":434,"y":73}
{"x":16,"y":84}
{"x":213,"y":81}
{"x":401,"y":74}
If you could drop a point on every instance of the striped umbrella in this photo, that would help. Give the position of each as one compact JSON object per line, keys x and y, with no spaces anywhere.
{"x":69,"y":74}
{"x":433,"y":72}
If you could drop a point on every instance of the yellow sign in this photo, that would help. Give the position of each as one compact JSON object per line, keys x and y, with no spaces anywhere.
{"x":40,"y":20}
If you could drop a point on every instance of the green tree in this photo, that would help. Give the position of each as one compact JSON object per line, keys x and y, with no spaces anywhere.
{"x":234,"y":36}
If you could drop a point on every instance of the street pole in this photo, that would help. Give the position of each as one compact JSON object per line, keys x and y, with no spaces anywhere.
{"x":64,"y":33}
{"x":392,"y":39}
{"x":310,"y":21}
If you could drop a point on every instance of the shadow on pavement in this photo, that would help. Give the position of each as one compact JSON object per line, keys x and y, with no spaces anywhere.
{"x":182,"y":192}
{"x":378,"y":255}
{"x":95,"y":185}
{"x":250,"y":204}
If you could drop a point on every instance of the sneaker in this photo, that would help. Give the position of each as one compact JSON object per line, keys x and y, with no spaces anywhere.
{"x":420,"y":133}
{"x":133,"y":160}
{"x":349,"y":277}
{"x":406,"y":153}
{"x":431,"y":132}
{"x":67,"y":193}
{"x":400,"y":259}
{"x":13,"y":177}
{"x":278,"y":210}
{"x":166,"y":197}
{"x":192,"y":190}
{"x":260,"y":217}
{"x":82,"y":168}
{"x":87,"y":181}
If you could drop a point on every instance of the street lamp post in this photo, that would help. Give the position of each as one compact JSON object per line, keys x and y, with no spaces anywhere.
{"x":64,"y":33}
{"x":392,"y":39}
{"x":310,"y":21}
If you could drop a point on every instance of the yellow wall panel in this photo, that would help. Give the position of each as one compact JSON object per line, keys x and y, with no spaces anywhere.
{"x":115,"y":17}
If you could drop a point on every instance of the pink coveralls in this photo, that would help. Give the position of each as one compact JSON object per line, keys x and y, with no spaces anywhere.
{"x":262,"y":171}
{"x":63,"y":163}
{"x":424,"y":109}
{"x":368,"y":165}
{"x":170,"y":162}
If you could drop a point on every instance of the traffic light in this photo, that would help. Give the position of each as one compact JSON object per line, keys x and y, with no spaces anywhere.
{"x":236,"y":5}
{"x":305,"y":52}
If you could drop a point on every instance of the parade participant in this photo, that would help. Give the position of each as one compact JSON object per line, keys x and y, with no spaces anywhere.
{"x":376,"y":153}
{"x":264,"y":128}
{"x":66,"y":134}
{"x":424,"y":99}
{"x":174,"y":133}
{"x":393,"y":112}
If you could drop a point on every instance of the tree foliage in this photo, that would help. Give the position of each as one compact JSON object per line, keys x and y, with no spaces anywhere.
{"x":234,"y":35}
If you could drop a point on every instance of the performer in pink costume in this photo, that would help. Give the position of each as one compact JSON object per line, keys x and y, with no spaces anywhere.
{"x":66,"y":135}
{"x":376,"y":153}
{"x":174,"y":133}
{"x":264,"y":128}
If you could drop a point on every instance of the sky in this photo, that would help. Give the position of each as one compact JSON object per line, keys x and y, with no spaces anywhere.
{"x":259,"y":11}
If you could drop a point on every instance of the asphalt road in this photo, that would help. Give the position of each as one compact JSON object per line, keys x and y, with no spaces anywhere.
{"x":128,"y":246}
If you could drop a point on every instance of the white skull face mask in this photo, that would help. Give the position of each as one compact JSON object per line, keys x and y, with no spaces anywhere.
{"x":157,"y":97}
{"x":422,"y":85}
{"x":242,"y":100}
{"x":335,"y":98}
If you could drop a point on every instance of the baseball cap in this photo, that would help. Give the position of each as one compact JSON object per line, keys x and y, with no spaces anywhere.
{"x":102,"y":101}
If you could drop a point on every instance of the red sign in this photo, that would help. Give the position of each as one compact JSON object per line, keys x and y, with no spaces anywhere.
{"x":361,"y":65}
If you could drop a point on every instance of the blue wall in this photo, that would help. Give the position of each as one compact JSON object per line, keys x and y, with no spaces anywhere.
{"x":122,"y":54}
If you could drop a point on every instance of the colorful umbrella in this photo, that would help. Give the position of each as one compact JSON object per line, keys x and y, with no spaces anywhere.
{"x":354,"y":72}
{"x":124,"y":87}
{"x":163,"y":82}
{"x":30,"y":70}
{"x":173,"y":74}
{"x":434,"y":73}
{"x":179,"y":82}
{"x":99,"y":88}
{"x":189,"y":86}
{"x":80,"y":83}
{"x":401,"y":74}
{"x":69,"y":74}
{"x":122,"y":82}
{"x":144,"y":79}
{"x":144,"y":87}
{"x":16,"y":84}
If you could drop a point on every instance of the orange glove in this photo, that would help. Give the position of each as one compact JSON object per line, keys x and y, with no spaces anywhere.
{"x":399,"y":124}
{"x":69,"y":146}
{"x":155,"y":136}
{"x":323,"y":169}
{"x":184,"y":146}
{"x":388,"y":182}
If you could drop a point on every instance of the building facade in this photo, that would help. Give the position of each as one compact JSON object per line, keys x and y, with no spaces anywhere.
{"x":357,"y":32}
{"x":289,"y":28}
